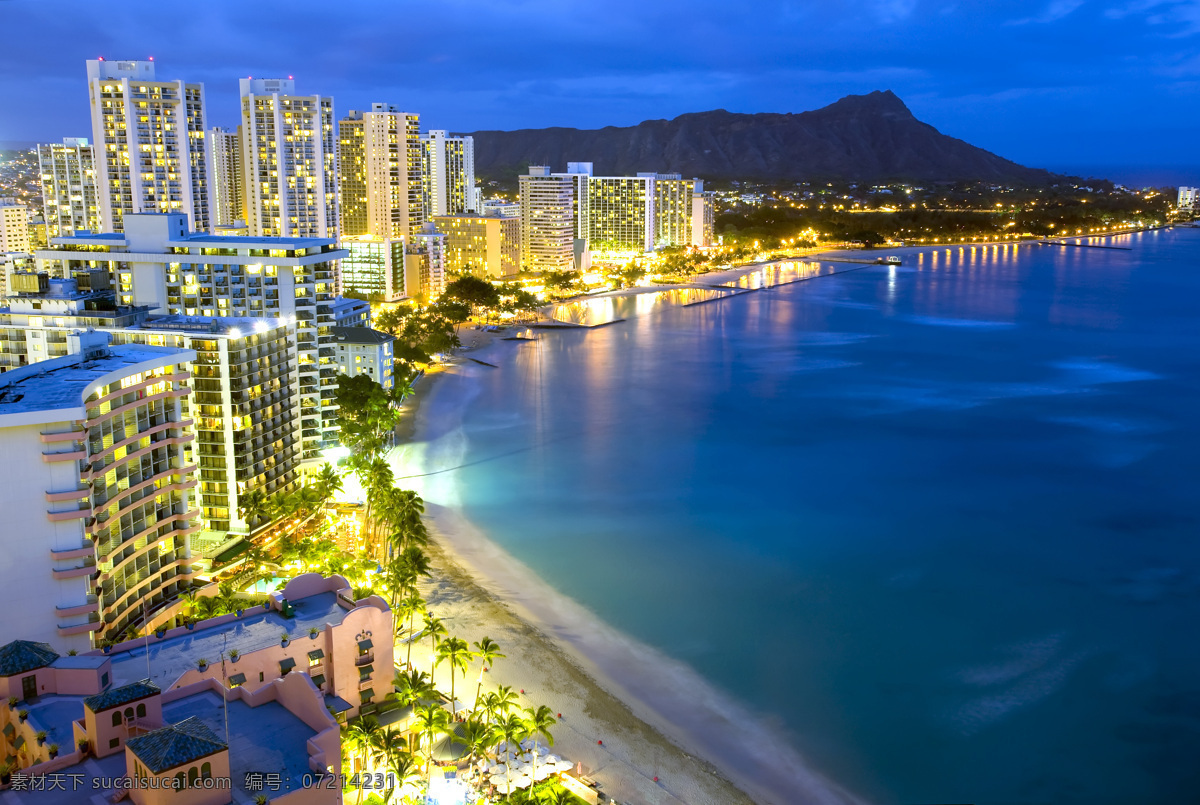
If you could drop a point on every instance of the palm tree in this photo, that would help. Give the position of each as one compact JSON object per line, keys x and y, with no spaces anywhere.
{"x":404,"y":766}
{"x":505,"y":699}
{"x":487,"y":651}
{"x":329,"y":482}
{"x":436,"y":631}
{"x":411,"y":606}
{"x":253,"y":506}
{"x":457,"y":654}
{"x":361,"y":735}
{"x":475,"y":736}
{"x":431,"y":720}
{"x":413,"y":686}
{"x":539,"y":722}
{"x":511,"y":730}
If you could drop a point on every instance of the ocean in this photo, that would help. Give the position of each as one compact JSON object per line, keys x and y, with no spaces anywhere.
{"x":934,"y":526}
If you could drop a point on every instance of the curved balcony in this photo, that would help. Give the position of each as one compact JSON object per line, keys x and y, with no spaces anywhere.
{"x":171,"y":378}
{"x":88,"y":568}
{"x":66,"y":436}
{"x":177,"y":486}
{"x":148,"y":586}
{"x":92,"y":605}
{"x":69,"y":495}
{"x":146,"y":548}
{"x":81,"y":628}
{"x":174,"y":518}
{"x":162,"y":395}
{"x":83,"y":509}
{"x":74,"y":455}
{"x":159,"y":428}
{"x":87,"y":549}
{"x":91,"y":474}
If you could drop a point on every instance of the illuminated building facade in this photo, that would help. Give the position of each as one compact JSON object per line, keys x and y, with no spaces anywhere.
{"x":148,"y":137}
{"x":703,"y":214}
{"x":374,"y":267}
{"x":159,"y":264}
{"x":247,"y":432}
{"x":547,"y":220}
{"x":363,"y":351}
{"x":381,"y":161}
{"x":621,"y":213}
{"x":425,"y":264}
{"x":69,"y":196}
{"x":14,"y":226}
{"x":289,"y":161}
{"x":449,"y":174}
{"x":1189,"y":198}
{"x":226,"y":174}
{"x":486,"y":246}
{"x":95,"y":444}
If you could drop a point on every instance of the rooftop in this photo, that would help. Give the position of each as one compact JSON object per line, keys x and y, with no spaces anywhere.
{"x":176,"y":744}
{"x":110,"y":768}
{"x":206,"y":324}
{"x":64,"y":383}
{"x":54,"y":714}
{"x":20,"y":656}
{"x":174,"y":656}
{"x":121,"y":696}
{"x":360,"y":335}
{"x":266,"y":738}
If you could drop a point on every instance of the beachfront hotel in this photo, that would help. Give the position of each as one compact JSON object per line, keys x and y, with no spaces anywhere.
{"x":548,"y":241}
{"x":363,"y":351}
{"x":381,"y":164}
{"x":157,"y":263}
{"x":149,"y":143}
{"x":487,"y":246}
{"x":448,"y":174}
{"x":70,"y":198}
{"x":244,"y":378}
{"x":289,"y":160}
{"x":210,"y":710}
{"x":95,"y":455}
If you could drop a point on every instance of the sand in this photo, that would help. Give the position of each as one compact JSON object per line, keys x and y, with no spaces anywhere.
{"x":654,"y":716}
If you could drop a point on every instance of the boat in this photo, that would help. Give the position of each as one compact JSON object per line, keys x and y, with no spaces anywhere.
{"x":890,"y":260}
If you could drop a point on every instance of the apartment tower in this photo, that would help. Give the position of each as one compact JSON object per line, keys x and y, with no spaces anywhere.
{"x":381,"y":166}
{"x":449,"y":174}
{"x":149,"y":143}
{"x":69,"y":194}
{"x":226,"y":177}
{"x":290,"y":165}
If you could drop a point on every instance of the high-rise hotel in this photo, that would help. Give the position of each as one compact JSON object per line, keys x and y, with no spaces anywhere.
{"x":94,"y":453}
{"x":380,"y":155}
{"x":70,"y":197}
{"x":290,"y":162}
{"x":225,"y":173}
{"x":148,"y":137}
{"x":449,"y":174}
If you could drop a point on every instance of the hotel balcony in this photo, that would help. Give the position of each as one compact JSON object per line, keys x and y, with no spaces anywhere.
{"x":87,"y":568}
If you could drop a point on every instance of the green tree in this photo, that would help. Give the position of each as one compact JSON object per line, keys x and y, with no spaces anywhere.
{"x":476,"y":293}
{"x":457,"y":654}
{"x":432,"y":720}
{"x":412,"y":606}
{"x":487,"y":651}
{"x":539,"y":722}
{"x":253,"y":508}
{"x":436,"y":630}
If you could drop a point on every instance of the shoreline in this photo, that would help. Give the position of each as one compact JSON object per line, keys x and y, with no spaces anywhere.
{"x":657,"y":717}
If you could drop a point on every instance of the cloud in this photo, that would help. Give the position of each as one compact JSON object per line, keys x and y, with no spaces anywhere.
{"x":1054,"y":12}
{"x":1181,"y":17}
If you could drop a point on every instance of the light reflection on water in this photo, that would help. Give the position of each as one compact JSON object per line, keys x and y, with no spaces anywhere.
{"x":938,"y":520}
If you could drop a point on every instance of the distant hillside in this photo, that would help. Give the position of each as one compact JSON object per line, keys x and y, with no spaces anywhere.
{"x":866,"y":138}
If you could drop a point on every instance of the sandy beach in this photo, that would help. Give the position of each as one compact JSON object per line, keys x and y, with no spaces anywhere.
{"x":629,"y":713}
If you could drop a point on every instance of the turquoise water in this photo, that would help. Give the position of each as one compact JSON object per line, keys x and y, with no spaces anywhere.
{"x":938,"y":523}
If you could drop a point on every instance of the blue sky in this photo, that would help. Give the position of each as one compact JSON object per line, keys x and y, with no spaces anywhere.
{"x":1052,"y":83}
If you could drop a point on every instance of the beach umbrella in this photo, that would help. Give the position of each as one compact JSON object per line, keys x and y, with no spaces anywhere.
{"x":564,"y":765}
{"x":522,"y":782}
{"x":526,"y":757}
{"x":497,"y":769}
{"x":544,"y":771}
{"x":527,"y":744}
{"x":524,"y":768}
{"x":552,"y":758}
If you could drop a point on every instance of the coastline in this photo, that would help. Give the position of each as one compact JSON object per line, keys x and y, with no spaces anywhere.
{"x":655,"y":716}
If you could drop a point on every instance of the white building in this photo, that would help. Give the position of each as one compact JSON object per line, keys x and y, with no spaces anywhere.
{"x":381,"y":167}
{"x":351,"y":312}
{"x":427,"y":254}
{"x":14,"y":226}
{"x":95,"y":491}
{"x":547,"y":220}
{"x":290,"y":161}
{"x":501,"y":208}
{"x":225,"y":173}
{"x":449,"y":174}
{"x":149,"y":143}
{"x":158,"y":263}
{"x":1189,"y":198}
{"x":363,"y":351}
{"x":69,"y":195}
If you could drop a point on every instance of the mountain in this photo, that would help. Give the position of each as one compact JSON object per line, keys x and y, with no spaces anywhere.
{"x":866,"y":138}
